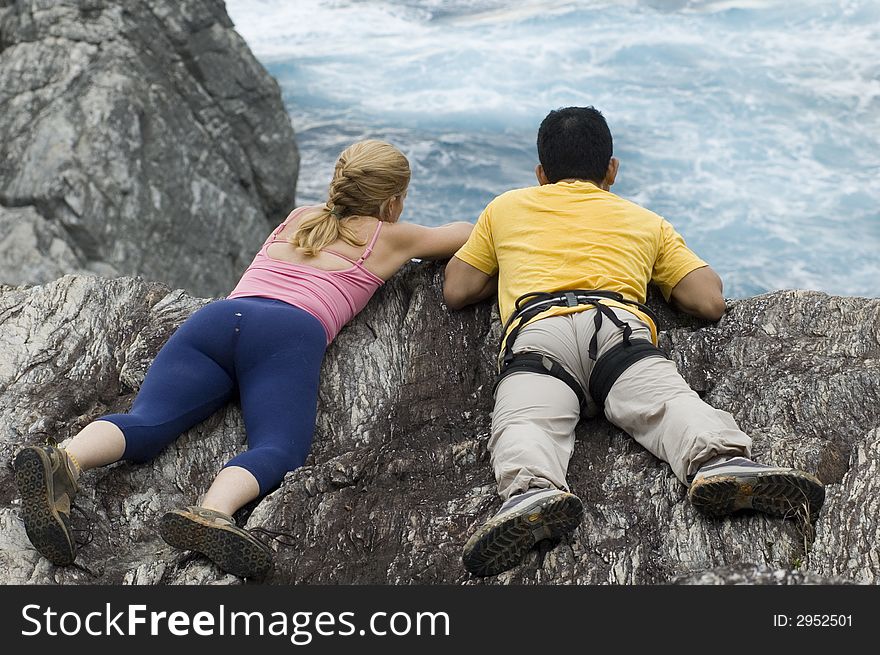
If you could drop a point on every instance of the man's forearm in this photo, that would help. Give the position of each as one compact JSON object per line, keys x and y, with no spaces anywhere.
{"x":489,"y":290}
{"x":465,"y":285}
{"x":699,"y":293}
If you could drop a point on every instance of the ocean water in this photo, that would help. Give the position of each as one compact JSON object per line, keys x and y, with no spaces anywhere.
{"x":752,"y":125}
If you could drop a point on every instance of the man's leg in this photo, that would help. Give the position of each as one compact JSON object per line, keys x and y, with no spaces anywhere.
{"x":535,"y":415}
{"x":653,"y":403}
{"x":532,"y":441}
{"x":703,"y":445}
{"x":532,"y":433}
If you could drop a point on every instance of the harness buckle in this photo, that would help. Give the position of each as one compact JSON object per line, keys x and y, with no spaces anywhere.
{"x":571,"y":300}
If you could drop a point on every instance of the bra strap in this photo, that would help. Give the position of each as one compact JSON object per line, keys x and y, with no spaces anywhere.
{"x":296,"y":213}
{"x":372,"y":243}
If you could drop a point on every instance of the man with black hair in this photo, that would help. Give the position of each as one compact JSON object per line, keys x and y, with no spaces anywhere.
{"x":571,"y":262}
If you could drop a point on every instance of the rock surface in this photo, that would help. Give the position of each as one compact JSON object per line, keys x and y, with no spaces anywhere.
{"x":399,"y":473}
{"x":136,"y":137}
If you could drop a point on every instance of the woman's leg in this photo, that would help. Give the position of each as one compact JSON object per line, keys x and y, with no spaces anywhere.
{"x":277,"y":363}
{"x":191,"y":377}
{"x":232,"y":489}
{"x":186,"y":383}
{"x":98,"y":444}
{"x":279,"y":393}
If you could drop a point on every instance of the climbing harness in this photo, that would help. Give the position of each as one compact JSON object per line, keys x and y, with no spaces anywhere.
{"x":607,"y":368}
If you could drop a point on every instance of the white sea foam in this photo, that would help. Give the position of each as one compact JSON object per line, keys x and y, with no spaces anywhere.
{"x":753,"y":125}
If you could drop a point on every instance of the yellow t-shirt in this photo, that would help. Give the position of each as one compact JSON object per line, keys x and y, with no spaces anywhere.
{"x":574,"y":235}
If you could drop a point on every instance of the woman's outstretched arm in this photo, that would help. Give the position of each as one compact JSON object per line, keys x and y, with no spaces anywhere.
{"x":401,"y":242}
{"x":422,"y":242}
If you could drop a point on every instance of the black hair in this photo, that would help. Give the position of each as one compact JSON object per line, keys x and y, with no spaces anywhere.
{"x":574,"y":142}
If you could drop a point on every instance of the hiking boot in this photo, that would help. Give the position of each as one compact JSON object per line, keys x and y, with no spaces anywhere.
{"x":216,"y":536}
{"x":739,"y":483}
{"x":47,"y":485}
{"x":523,"y":520}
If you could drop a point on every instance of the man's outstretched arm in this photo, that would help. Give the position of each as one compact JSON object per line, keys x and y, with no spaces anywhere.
{"x":464,"y":285}
{"x":700,"y":293}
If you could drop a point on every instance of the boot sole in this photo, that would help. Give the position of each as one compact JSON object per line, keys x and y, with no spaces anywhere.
{"x":783,"y":495}
{"x":501,"y":544}
{"x":227,"y":548}
{"x":47,"y":529}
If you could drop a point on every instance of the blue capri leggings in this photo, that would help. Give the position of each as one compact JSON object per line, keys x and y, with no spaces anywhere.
{"x":268,"y":351}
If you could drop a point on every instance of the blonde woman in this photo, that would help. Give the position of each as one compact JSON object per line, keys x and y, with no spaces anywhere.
{"x":314,"y":272}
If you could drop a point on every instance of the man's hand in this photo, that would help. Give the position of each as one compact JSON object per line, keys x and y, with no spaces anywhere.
{"x":464,"y":285}
{"x":699,"y":293}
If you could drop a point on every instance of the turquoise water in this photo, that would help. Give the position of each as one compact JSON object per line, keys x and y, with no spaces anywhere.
{"x":753,"y":126}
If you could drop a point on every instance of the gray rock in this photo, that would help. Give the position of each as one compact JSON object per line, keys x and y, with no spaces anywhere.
{"x":399,"y":472}
{"x":33,"y":249}
{"x":144,"y":135}
{"x":846,"y":544}
{"x":753,"y":574}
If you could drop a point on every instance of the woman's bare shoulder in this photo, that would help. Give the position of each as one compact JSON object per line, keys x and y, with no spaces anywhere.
{"x":403,"y":232}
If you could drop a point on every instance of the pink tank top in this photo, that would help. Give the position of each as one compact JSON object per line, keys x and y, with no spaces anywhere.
{"x":333,"y":297}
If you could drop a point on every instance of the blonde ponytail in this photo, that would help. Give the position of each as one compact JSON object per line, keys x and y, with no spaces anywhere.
{"x":317,"y":231}
{"x":367,"y":175}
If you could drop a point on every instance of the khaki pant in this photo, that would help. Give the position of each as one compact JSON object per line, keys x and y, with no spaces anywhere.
{"x":535,"y":415}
